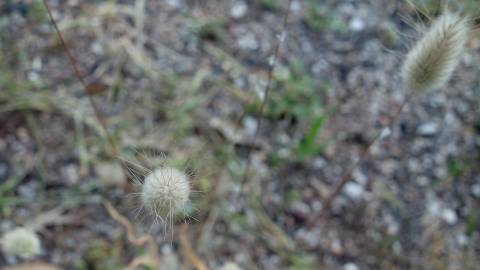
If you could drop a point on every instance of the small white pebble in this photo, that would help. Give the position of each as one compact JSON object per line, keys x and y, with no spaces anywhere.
{"x":350,"y":266}
{"x":385,"y":133}
{"x":33,"y":76}
{"x":427,"y":129}
{"x":37,"y":63}
{"x":336,"y":247}
{"x":174,"y":3}
{"x":357,"y":24}
{"x":239,"y":10}
{"x":449,"y":216}
{"x":462,"y":240}
{"x":250,"y":125}
{"x":433,"y":207}
{"x":248,"y":42}
{"x":476,"y":190}
{"x":353,"y":190}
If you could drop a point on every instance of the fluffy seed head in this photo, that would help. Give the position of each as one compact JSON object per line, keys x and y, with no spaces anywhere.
{"x":431,"y":62}
{"x":165,"y":192}
{"x":21,"y":242}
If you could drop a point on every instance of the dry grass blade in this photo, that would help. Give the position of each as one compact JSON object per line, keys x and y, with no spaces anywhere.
{"x":268,"y":87}
{"x":188,"y":250}
{"x":151,"y":259}
{"x":98,"y":114}
{"x":347,"y":176}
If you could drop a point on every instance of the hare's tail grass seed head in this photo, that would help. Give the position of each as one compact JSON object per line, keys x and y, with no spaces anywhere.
{"x":165,"y":192}
{"x":21,"y":242}
{"x":432,"y":60}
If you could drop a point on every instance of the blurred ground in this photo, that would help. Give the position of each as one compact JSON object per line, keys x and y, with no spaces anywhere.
{"x":180,"y":83}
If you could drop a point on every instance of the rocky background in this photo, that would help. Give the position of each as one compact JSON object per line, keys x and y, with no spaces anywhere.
{"x":180,"y":83}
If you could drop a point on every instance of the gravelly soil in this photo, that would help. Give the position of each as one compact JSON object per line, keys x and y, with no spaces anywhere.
{"x":182,"y":78}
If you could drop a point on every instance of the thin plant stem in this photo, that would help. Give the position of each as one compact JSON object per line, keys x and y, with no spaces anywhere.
{"x":73,"y":63}
{"x":188,"y":251}
{"x":267,"y":91}
{"x":347,"y":176}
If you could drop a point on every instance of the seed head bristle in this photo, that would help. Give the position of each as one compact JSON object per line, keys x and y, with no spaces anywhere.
{"x":432,"y":61}
{"x":21,"y":242}
{"x":165,"y":192}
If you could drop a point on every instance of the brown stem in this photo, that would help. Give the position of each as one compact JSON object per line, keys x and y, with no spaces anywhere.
{"x":346,"y":177}
{"x":98,"y":114}
{"x":188,"y":250}
{"x":151,"y":258}
{"x":266,"y":96}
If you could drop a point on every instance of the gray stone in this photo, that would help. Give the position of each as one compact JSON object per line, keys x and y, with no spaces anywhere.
{"x":449,"y":216}
{"x":350,"y":266}
{"x":239,"y":10}
{"x":353,"y":190}
{"x":427,"y":129}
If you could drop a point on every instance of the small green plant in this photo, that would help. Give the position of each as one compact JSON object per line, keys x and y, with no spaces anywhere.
{"x":296,"y":97}
{"x":268,"y":4}
{"x":308,"y":146}
{"x":319,"y":16}
{"x":37,"y":11}
{"x":212,"y":29}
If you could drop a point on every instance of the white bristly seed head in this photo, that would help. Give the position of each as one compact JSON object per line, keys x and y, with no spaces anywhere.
{"x":21,"y":242}
{"x":165,"y":192}
{"x":431,"y":62}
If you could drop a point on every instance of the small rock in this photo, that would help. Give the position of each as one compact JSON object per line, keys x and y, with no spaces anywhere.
{"x":296,"y":6}
{"x":248,"y":42}
{"x":230,"y":266}
{"x":423,"y":181}
{"x":169,"y":259}
{"x":37,"y":63}
{"x":110,"y":173}
{"x":427,"y":129}
{"x":97,"y":48}
{"x":70,"y":174}
{"x":433,"y":207}
{"x":350,"y":266}
{"x":4,"y":170}
{"x":353,"y":190}
{"x":309,"y":238}
{"x":359,"y":177}
{"x":385,"y":133}
{"x":336,"y":247}
{"x":357,"y":24}
{"x":239,"y":10}
{"x":300,"y":209}
{"x":33,"y":76}
{"x":174,"y":3}
{"x":462,"y":240}
{"x":449,"y":216}
{"x":250,"y":125}
{"x":319,"y":163}
{"x":476,"y":190}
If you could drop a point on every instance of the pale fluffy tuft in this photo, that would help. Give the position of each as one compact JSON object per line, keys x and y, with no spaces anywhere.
{"x":21,"y":242}
{"x":165,"y":192}
{"x":432,"y":61}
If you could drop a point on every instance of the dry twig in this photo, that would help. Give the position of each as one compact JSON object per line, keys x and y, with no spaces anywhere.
{"x":188,"y":250}
{"x":268,"y":87}
{"x":347,"y":176}
{"x":151,"y":258}
{"x":98,"y":114}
